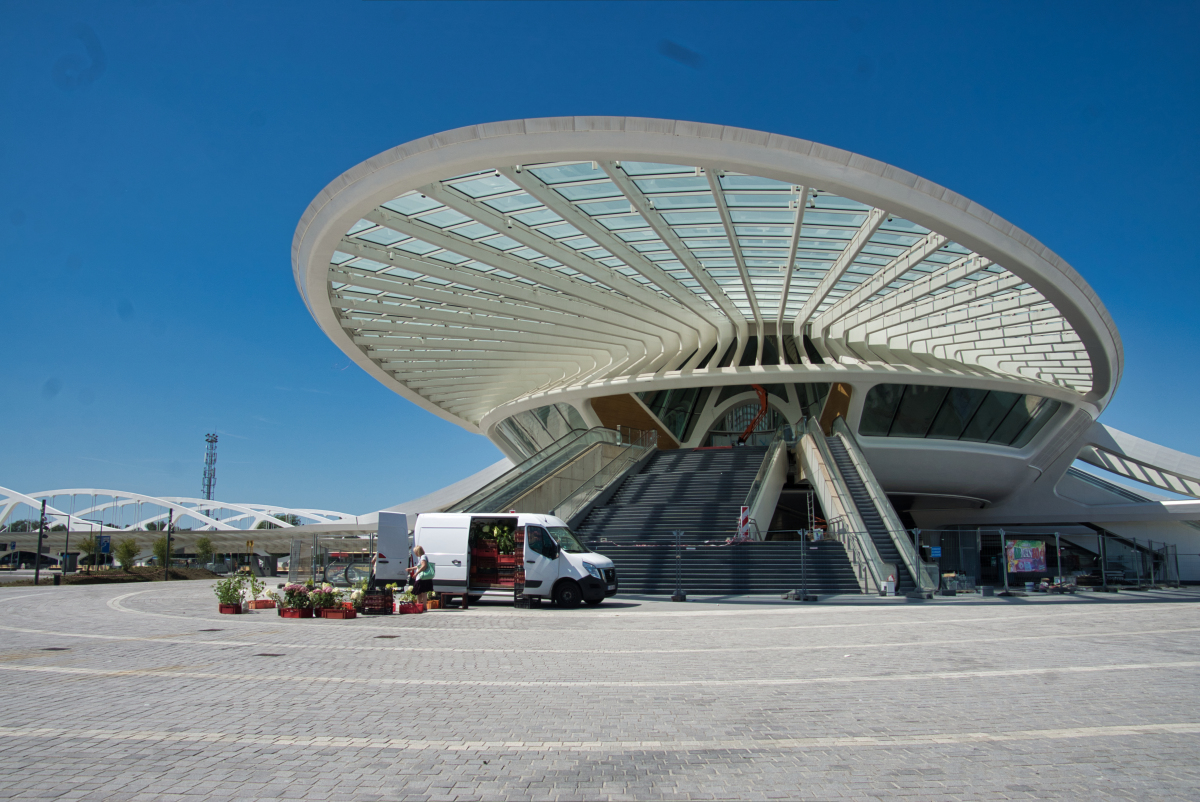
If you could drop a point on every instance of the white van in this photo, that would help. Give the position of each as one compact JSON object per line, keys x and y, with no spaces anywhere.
{"x":474,"y":553}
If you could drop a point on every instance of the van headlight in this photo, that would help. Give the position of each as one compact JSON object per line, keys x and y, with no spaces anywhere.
{"x":594,"y":571}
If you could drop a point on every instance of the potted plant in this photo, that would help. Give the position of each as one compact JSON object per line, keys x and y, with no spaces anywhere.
{"x":230,"y":592}
{"x":256,"y":589}
{"x":296,"y":602}
{"x":324,"y":597}
{"x":407,"y":603}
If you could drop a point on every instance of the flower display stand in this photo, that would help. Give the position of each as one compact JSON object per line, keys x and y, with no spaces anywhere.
{"x":413,"y":607}
{"x":229,"y":609}
{"x":338,"y":613}
{"x":296,"y":612}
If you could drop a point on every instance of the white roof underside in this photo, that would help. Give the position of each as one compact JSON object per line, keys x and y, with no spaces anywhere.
{"x":490,"y":269}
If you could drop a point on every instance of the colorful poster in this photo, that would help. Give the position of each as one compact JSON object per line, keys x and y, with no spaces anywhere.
{"x":1026,"y":556}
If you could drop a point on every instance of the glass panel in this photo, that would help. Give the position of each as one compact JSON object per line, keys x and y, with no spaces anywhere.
{"x":488,"y":185}
{"x":879,"y":408}
{"x":513,"y":203}
{"x":574,"y":419}
{"x":651,"y":168}
{"x":917,"y":410}
{"x":607,"y":207}
{"x":606,"y":189}
{"x":991,"y":412}
{"x":1017,"y":419}
{"x":1040,"y":419}
{"x":957,"y":409}
{"x":444,"y":218}
{"x":412,"y":204}
{"x":568,"y":172}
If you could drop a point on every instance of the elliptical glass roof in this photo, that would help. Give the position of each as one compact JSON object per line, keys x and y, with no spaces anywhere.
{"x":484,"y":287}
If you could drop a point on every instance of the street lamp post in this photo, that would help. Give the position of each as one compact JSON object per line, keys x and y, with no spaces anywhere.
{"x":37,"y":558}
{"x":167,"y":556}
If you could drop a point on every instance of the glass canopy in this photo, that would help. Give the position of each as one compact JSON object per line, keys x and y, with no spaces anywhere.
{"x":483,"y":287}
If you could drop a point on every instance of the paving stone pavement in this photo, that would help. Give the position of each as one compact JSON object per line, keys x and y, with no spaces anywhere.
{"x":146,"y":693}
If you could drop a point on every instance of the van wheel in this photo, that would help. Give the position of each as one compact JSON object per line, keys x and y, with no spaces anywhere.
{"x":474,"y":597}
{"x":594,"y":602}
{"x":567,"y":594}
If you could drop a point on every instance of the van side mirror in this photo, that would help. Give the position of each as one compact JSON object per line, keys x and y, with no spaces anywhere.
{"x":554,"y":550}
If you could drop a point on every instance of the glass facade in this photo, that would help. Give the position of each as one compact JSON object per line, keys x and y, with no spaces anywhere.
{"x":677,"y":409}
{"x":527,"y":433}
{"x":954,"y":413}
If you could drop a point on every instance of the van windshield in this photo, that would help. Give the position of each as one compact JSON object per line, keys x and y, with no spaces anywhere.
{"x":566,"y":540}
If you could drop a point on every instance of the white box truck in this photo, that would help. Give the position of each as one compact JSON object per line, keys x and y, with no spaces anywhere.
{"x":475,"y":553}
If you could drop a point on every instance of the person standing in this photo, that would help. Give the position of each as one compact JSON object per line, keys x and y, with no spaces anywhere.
{"x":422,"y":574}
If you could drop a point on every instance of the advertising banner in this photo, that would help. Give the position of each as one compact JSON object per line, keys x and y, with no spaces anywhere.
{"x":1026,"y":556}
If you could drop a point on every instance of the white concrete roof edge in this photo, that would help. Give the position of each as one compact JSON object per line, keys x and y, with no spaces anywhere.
{"x":463,"y":150}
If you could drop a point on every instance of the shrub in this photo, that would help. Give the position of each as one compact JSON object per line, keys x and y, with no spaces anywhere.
{"x":231,"y":590}
{"x":126,"y":552}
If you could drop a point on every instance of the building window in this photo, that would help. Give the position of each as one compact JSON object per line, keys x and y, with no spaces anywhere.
{"x":954,"y":413}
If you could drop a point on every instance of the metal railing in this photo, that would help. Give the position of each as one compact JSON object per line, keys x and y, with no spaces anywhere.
{"x":638,"y":443}
{"x":843,"y":520}
{"x":924,"y":574}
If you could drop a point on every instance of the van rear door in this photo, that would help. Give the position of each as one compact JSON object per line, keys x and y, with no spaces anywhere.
{"x":444,"y":538}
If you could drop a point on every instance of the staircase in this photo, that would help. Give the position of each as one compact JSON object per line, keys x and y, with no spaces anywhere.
{"x":701,"y":492}
{"x":869,"y":514}
{"x":698,"y":491}
{"x":741,"y":568}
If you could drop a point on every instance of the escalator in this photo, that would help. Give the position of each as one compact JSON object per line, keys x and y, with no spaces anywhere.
{"x":869,"y":513}
{"x":859,"y":513}
{"x":564,"y":477}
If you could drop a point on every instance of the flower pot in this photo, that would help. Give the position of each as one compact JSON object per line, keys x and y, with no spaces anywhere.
{"x":413,"y":607}
{"x":433,"y":604}
{"x":336,"y":613}
{"x":262,"y":604}
{"x":347,"y":605}
{"x":229,"y":609}
{"x":296,"y":612}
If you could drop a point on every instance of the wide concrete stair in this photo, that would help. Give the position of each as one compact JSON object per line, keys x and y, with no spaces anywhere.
{"x":700,"y":492}
{"x":741,"y":568}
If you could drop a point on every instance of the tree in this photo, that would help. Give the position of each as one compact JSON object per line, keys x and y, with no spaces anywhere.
{"x":160,"y":550}
{"x":126,"y":552}
{"x":156,"y":526}
{"x":88,"y":546}
{"x":204,"y":550}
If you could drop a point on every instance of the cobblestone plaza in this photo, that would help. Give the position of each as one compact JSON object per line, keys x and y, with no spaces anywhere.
{"x":133,"y":692}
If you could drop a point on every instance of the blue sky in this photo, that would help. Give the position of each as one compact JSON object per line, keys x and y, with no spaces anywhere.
{"x":155,"y":158}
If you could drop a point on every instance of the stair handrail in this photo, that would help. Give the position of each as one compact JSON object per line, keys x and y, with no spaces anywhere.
{"x":636,"y":448}
{"x":522,"y":470}
{"x":778,"y":441}
{"x":924,"y":574}
{"x":856,"y":528}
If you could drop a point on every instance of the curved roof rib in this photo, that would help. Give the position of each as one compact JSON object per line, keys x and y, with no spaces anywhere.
{"x":476,"y":269}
